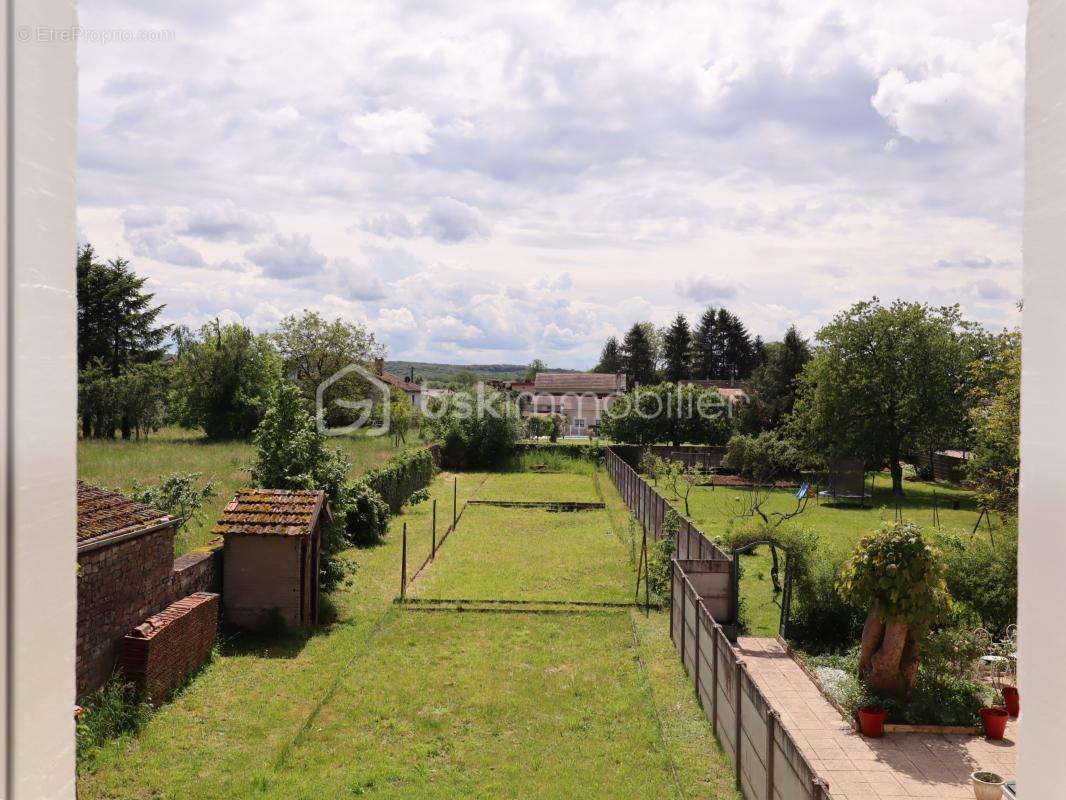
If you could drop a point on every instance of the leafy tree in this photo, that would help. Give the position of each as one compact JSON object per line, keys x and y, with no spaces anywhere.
{"x":772,"y":392}
{"x":223,"y":379}
{"x":535,"y":366}
{"x":132,"y":402}
{"x":179,"y":495}
{"x":982,"y":575}
{"x":668,"y":413}
{"x":117,"y":322}
{"x":291,"y":453}
{"x":677,"y":350}
{"x":886,"y":382}
{"x":901,"y":580}
{"x":993,"y":469}
{"x":313,"y":350}
{"x":638,"y":356}
{"x":475,"y":429}
{"x":401,"y":416}
{"x":610,"y":358}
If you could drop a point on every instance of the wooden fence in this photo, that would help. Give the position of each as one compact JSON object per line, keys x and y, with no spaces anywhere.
{"x":766,"y":760}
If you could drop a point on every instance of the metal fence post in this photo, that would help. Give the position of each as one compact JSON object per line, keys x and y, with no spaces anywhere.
{"x":455,"y":501}
{"x":433,"y":551}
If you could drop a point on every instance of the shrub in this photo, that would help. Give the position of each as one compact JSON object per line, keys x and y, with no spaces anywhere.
{"x":983,"y":575}
{"x":822,"y":618}
{"x":668,"y":413}
{"x":475,"y":428}
{"x":177,"y":495}
{"x":763,"y":457}
{"x":114,"y":709}
{"x":401,"y":476}
{"x":367,"y":520}
{"x":660,"y":557}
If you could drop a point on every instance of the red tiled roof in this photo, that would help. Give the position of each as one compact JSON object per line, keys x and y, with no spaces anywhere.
{"x":398,"y":382}
{"x":579,"y":382}
{"x":271,"y":512}
{"x":102,"y":512}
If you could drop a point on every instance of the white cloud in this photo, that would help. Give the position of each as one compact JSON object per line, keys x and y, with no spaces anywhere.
{"x":705,"y":289}
{"x":287,"y":257}
{"x":402,"y":131}
{"x":451,"y":221}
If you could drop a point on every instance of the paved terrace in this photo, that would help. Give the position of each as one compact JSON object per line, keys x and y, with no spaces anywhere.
{"x":902,"y":765}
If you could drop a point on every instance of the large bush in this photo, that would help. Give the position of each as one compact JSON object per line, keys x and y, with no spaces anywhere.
{"x":476,"y":428}
{"x":762,"y":457}
{"x":668,"y":413}
{"x":131,"y":403}
{"x":982,"y":575}
{"x":402,"y":476}
{"x":223,"y":379}
{"x":822,"y":618}
{"x":368,"y":515}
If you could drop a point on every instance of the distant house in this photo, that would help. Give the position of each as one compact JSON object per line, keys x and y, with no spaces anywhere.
{"x":581,"y":397}
{"x":407,"y":384}
{"x":732,"y":390}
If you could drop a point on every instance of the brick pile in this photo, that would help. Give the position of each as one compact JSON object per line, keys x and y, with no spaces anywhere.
{"x":159,"y":654}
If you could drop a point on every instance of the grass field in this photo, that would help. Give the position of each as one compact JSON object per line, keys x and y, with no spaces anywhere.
{"x":838,"y":525}
{"x":406,"y":702}
{"x":118,"y":464}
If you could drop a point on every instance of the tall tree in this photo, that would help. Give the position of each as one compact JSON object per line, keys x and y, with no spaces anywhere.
{"x":995,"y":416}
{"x":610,"y":358}
{"x":224,"y":379}
{"x":886,"y":382}
{"x":535,"y":366}
{"x":706,"y":347}
{"x":736,"y":351}
{"x":117,"y":322}
{"x":677,"y":350}
{"x":638,"y":357}
{"x":772,"y":393}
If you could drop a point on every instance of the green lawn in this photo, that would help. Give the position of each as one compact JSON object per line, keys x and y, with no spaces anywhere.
{"x":404,"y":702}
{"x":118,"y":464}
{"x":838,"y":525}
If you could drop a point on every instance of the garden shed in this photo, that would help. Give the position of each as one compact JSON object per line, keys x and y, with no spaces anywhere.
{"x":273,"y":542}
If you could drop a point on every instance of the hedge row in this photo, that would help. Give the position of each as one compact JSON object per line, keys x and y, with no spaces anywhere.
{"x":403,"y":475}
{"x":593,"y":451}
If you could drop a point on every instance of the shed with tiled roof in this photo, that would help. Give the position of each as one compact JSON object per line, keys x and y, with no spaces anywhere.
{"x":273,"y":543}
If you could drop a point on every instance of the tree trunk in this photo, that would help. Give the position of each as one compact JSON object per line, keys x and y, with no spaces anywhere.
{"x":888,"y":657}
{"x":897,"y":475}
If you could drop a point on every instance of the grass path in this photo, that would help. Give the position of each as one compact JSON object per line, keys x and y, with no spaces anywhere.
{"x":391,"y":702}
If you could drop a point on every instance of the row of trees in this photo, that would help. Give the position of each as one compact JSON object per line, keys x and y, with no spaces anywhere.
{"x":719,"y":348}
{"x":881,"y":383}
{"x":219,"y":378}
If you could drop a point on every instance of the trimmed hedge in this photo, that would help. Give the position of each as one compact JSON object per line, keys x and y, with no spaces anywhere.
{"x":402,"y":476}
{"x":589,"y":452}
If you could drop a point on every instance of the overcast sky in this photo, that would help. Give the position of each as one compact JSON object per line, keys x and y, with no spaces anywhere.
{"x":489,"y":182}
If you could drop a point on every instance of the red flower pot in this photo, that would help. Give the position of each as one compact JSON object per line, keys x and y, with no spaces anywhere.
{"x":1011,"y":700}
{"x":872,"y":721}
{"x":995,"y":722}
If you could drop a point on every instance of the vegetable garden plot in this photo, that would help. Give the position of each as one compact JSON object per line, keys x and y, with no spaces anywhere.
{"x":449,"y":705}
{"x":524,"y":555}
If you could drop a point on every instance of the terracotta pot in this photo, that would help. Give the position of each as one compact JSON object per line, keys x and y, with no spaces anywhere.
{"x":1012,"y":700}
{"x":872,"y":721}
{"x":995,"y":722}
{"x":986,"y":785}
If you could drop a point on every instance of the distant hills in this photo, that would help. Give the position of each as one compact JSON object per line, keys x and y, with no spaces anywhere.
{"x":446,"y":373}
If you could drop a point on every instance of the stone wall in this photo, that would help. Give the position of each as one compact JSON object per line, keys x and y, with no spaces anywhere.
{"x":123,"y":583}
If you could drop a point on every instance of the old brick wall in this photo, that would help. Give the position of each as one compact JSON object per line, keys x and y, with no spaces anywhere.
{"x":163,"y":651}
{"x":122,"y":584}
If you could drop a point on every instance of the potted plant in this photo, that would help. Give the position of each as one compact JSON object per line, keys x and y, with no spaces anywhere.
{"x":1012,"y":700}
{"x":987,"y":785}
{"x":994,"y":720}
{"x":872,"y":721}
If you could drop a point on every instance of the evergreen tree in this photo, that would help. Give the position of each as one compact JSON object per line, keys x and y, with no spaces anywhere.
{"x":705,"y":357}
{"x":117,"y":323}
{"x":638,"y":357}
{"x":610,"y":358}
{"x":774,"y":383}
{"x":677,"y":350}
{"x":736,"y":352}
